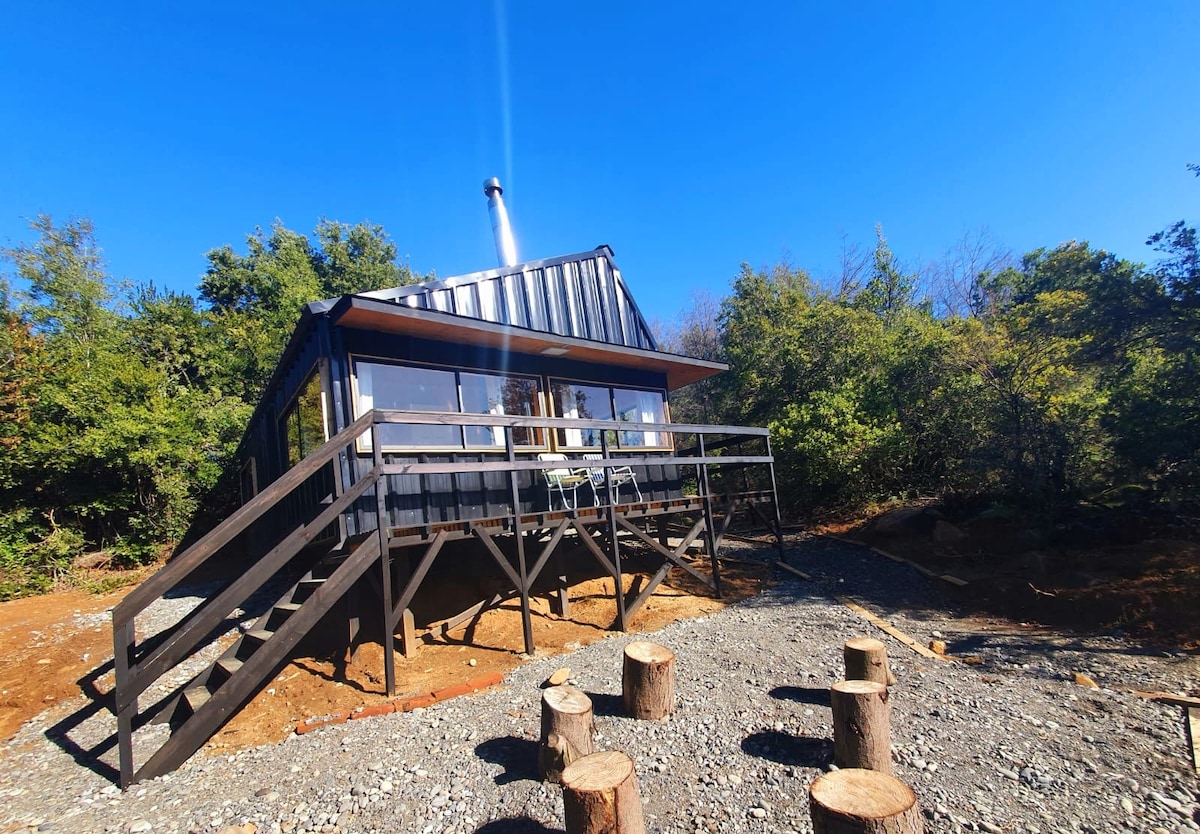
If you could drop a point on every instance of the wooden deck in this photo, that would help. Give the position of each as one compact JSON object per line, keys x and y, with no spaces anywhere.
{"x":397,"y":560}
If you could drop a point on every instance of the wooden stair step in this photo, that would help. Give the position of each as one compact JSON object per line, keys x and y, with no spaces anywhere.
{"x":196,"y":697}
{"x":228,"y":665}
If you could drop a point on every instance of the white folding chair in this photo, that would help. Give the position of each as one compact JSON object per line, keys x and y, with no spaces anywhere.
{"x":563,"y":480}
{"x":620,"y":475}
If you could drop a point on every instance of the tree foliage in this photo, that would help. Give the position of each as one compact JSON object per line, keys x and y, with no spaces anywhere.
{"x":120,"y":408}
{"x":1052,"y":379}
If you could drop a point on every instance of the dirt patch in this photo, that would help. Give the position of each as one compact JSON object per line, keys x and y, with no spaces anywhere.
{"x":1110,"y":571}
{"x":47,"y":644}
{"x":50,"y":644}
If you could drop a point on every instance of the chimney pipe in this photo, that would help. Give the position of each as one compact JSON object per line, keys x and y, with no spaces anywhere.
{"x":506,"y":247}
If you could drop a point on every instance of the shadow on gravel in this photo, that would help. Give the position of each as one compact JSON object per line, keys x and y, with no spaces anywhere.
{"x":518,"y":757}
{"x":98,"y":701}
{"x":515,"y":825}
{"x":886,"y":588}
{"x":801,"y":694}
{"x":786,"y":749}
{"x":610,"y":706}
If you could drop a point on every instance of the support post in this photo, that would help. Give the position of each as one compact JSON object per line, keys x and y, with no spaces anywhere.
{"x":123,"y":638}
{"x":619,"y":589}
{"x":382,"y":525}
{"x":561,"y":600}
{"x":710,"y":539}
{"x":519,"y":537}
{"x":775,"y":502}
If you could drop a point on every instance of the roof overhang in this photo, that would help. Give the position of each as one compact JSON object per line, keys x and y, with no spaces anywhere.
{"x":364,"y":313}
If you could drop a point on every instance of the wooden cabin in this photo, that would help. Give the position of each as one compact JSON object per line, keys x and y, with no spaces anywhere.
{"x":512,"y":411}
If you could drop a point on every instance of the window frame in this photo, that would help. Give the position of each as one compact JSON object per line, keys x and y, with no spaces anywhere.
{"x":292,"y":407}
{"x":614,"y":443}
{"x":364,"y":443}
{"x":250,"y":466}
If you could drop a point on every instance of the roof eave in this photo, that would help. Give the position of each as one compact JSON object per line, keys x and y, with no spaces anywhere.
{"x":362,"y":312}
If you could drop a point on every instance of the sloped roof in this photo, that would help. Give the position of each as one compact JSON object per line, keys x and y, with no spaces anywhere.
{"x":580,"y":296}
{"x":575,"y":306}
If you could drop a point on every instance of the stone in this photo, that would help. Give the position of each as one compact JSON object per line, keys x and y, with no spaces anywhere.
{"x":946,"y":533}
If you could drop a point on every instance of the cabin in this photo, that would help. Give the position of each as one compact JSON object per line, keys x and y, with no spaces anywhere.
{"x":507,"y":415}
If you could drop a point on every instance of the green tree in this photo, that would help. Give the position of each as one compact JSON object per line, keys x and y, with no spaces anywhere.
{"x":256,"y":298}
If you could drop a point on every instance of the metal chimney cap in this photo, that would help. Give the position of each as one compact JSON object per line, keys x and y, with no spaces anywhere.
{"x":492,"y":184}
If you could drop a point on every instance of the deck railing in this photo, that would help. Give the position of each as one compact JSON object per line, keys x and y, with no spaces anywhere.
{"x":140,"y":664}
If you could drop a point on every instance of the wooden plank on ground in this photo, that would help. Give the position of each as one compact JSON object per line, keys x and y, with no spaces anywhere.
{"x":954,"y":580}
{"x":1169,"y":698}
{"x":1192,"y":721}
{"x":791,"y":569}
{"x":890,"y":629}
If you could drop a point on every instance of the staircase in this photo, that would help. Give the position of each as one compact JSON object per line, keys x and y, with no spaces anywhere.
{"x":200,"y":707}
{"x":210,"y":699}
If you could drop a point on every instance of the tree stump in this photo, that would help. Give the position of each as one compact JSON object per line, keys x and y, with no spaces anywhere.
{"x":856,"y":801}
{"x":648,"y":680}
{"x":600,"y":795}
{"x":567,"y":729}
{"x":862,"y":730}
{"x":866,"y":660}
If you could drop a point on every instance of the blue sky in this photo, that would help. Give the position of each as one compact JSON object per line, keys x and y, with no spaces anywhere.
{"x":688,"y":136}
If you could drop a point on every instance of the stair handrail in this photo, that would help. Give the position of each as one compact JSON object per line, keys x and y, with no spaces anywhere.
{"x":198,"y":553}
{"x":201,"y":620}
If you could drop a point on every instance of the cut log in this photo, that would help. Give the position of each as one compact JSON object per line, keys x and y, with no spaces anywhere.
{"x":862,"y":734}
{"x":648,"y":680}
{"x":866,"y":660}
{"x":567,"y":730}
{"x":856,"y":801}
{"x":600,"y":795}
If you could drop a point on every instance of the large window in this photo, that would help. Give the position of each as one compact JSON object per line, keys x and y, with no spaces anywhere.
{"x":304,"y":423}
{"x":413,"y":388}
{"x":575,"y":400}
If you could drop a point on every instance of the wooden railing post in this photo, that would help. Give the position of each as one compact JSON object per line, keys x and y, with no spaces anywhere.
{"x":622,"y":625}
{"x":710,"y":538}
{"x":123,"y":640}
{"x":514,"y":487}
{"x":382,"y":530}
{"x":775,"y":501}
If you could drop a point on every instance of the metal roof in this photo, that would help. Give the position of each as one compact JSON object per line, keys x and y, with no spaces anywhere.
{"x":580,"y":296}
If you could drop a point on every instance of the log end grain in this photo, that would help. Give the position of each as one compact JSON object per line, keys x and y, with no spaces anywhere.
{"x":867,"y":801}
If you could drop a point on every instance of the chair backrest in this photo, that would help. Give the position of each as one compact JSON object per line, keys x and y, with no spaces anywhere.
{"x":553,"y":476}
{"x":596,"y":474}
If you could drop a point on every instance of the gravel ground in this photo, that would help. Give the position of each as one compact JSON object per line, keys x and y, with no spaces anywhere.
{"x":1008,"y":744}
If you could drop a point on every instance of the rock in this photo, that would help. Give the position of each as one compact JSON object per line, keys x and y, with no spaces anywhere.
{"x":937,"y":646}
{"x":139,"y":825}
{"x":906,"y":520}
{"x":946,"y":533}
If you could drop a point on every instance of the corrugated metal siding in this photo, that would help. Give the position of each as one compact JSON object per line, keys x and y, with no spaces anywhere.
{"x":581,"y":296}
